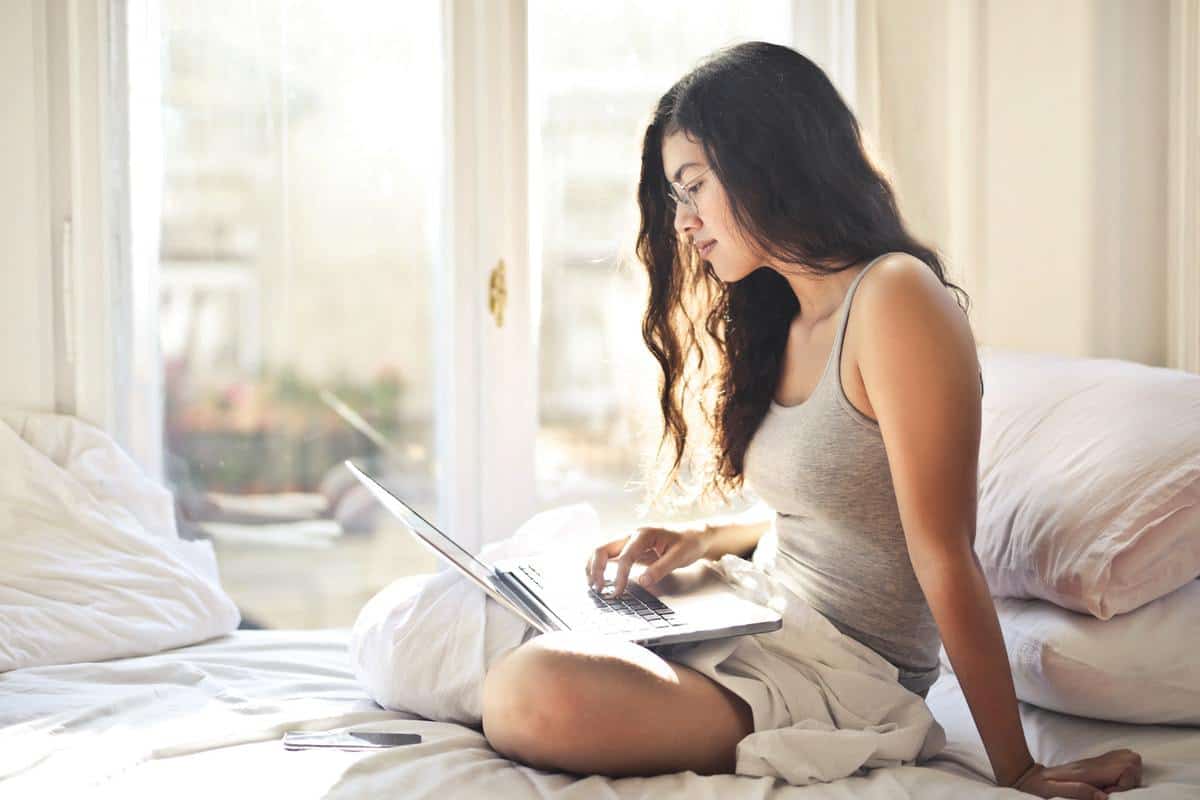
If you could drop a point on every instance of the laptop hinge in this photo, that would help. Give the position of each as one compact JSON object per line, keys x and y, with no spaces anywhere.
{"x":512,"y":583}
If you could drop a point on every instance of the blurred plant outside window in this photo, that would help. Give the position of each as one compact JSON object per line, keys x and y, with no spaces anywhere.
{"x":596,"y":73}
{"x":298,"y":203}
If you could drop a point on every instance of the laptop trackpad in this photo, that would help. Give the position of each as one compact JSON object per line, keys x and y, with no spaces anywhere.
{"x":692,"y":579}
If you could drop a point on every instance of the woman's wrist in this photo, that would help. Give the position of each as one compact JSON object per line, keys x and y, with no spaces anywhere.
{"x":1016,"y":783}
{"x":730,"y":535}
{"x":706,"y":534}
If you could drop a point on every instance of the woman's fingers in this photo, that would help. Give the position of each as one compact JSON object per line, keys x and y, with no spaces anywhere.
{"x":633,"y":548}
{"x":1072,"y":789}
{"x":661,"y":549}
{"x":1131,"y":776}
{"x":1114,"y":771}
{"x":599,"y":559}
{"x":671,"y":560}
{"x":682,"y":548}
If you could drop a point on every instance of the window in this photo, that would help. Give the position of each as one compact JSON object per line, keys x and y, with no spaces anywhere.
{"x":301,"y":160}
{"x":340,"y":184}
{"x":598,"y":396}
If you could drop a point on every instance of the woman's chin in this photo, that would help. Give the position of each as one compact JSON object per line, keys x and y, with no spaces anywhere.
{"x":727,"y":275}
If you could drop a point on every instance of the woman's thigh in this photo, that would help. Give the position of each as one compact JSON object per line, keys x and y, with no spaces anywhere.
{"x":590,"y":705}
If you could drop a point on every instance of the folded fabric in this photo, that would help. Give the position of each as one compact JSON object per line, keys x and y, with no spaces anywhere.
{"x":1089,"y":480}
{"x":91,"y":564}
{"x":1141,"y":667}
{"x":825,"y":706}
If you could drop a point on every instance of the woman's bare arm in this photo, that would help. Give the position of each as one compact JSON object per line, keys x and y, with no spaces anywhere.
{"x":736,"y":533}
{"x":919,"y":366}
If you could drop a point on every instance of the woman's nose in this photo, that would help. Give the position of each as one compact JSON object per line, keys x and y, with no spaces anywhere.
{"x":685,"y":218}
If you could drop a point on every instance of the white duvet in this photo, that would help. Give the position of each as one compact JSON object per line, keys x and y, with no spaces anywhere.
{"x":205,"y":722}
{"x":91,"y":565}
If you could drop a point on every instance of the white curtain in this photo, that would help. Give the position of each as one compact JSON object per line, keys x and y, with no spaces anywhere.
{"x":1025,"y":141}
{"x":919,"y":69}
{"x":1183,"y":249}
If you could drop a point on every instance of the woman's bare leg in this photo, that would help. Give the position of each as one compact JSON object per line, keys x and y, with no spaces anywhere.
{"x":590,"y":705}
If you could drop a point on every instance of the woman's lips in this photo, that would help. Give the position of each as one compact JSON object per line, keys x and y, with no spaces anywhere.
{"x":706,"y":249}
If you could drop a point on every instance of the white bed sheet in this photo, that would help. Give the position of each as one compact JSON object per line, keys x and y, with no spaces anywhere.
{"x":205,"y":721}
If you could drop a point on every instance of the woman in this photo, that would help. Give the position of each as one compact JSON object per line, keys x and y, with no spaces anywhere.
{"x":762,"y":213}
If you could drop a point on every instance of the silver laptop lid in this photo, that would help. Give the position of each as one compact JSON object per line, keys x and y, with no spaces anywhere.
{"x":443,"y":546}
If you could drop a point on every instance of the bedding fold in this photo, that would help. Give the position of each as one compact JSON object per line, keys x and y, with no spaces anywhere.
{"x":91,"y":565}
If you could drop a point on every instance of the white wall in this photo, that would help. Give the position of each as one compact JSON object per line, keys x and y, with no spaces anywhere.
{"x":26,"y":310}
{"x":1183,"y":187}
{"x":1026,"y":141}
{"x":1129,"y":180}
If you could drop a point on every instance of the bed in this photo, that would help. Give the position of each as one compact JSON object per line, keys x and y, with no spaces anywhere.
{"x":206,"y":721}
{"x":123,"y":672}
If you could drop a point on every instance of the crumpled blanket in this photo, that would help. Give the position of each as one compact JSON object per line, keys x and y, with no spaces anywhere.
{"x":825,"y":706}
{"x":91,"y":563}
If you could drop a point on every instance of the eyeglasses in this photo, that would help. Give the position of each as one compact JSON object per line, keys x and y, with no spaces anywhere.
{"x":686,"y":195}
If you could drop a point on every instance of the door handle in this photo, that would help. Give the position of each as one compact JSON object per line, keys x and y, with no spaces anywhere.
{"x":497,"y":293}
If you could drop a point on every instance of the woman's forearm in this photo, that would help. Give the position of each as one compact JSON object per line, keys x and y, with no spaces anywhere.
{"x":737,"y":533}
{"x":965,"y":613}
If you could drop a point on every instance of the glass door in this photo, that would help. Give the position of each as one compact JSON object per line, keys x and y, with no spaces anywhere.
{"x":595,"y":73}
{"x":401,"y":233}
{"x":301,"y":234}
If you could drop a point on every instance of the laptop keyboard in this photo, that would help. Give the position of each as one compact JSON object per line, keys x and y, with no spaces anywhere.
{"x":635,"y":610}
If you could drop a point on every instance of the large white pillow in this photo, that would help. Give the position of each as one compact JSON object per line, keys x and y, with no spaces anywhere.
{"x":91,"y":565}
{"x":1141,"y":667}
{"x":1089,"y":480}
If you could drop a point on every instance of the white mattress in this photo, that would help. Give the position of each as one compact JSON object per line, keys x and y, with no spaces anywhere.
{"x":205,"y":721}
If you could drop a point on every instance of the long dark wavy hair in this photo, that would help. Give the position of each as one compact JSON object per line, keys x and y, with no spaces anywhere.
{"x":803,"y":189}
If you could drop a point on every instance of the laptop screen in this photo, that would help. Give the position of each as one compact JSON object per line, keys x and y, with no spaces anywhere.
{"x":424,"y":530}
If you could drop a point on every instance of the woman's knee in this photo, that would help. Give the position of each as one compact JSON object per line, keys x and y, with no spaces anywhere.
{"x":530,"y":701}
{"x":570,"y":701}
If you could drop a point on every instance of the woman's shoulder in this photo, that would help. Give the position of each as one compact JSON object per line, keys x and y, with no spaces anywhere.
{"x":900,"y":289}
{"x":900,"y":274}
{"x":903,"y":313}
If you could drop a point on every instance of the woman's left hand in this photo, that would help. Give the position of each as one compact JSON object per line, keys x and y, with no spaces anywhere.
{"x":1088,"y":778}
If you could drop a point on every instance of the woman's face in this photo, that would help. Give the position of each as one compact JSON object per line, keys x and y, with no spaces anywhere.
{"x":732,"y":258}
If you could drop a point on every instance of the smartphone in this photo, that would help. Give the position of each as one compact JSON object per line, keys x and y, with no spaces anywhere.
{"x":347,"y":740}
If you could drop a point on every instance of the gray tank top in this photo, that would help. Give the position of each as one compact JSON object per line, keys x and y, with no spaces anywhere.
{"x":837,"y":541}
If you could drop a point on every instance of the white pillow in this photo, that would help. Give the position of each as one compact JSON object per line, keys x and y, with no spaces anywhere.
{"x":91,"y":566}
{"x":1089,"y":480}
{"x":1141,"y":667}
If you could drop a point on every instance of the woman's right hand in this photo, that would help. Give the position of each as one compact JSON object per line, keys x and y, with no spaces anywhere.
{"x":665,"y":550}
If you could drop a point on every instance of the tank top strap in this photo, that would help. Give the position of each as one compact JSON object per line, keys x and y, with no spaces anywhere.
{"x":836,"y":355}
{"x":845,"y":312}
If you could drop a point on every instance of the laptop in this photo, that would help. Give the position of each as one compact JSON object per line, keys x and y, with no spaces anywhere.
{"x":688,"y":605}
